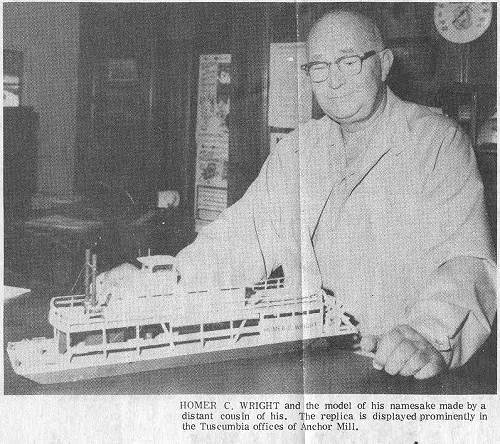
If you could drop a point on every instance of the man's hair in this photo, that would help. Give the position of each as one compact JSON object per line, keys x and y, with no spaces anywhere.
{"x":367,"y":24}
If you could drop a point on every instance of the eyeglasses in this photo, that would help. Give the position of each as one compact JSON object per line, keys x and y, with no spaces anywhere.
{"x":348,"y":65}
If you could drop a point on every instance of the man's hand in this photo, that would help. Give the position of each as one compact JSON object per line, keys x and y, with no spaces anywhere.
{"x":117,"y":280}
{"x":404,"y":351}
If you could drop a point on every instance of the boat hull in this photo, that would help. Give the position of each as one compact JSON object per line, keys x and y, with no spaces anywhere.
{"x":66,"y":375}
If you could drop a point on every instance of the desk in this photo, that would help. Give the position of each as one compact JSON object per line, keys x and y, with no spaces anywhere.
{"x":327,"y":370}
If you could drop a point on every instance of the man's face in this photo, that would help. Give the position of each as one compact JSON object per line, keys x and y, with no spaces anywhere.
{"x":346,"y":99}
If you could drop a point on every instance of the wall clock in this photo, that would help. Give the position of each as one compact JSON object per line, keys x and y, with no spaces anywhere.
{"x":462,"y":22}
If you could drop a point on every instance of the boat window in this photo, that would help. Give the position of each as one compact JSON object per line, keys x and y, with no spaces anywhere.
{"x":216,"y":326}
{"x":93,"y":337}
{"x":162,"y":267}
{"x":150,"y":331}
{"x":120,"y":334}
{"x":187,"y":329}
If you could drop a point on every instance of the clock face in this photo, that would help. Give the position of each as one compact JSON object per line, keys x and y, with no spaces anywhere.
{"x":462,"y":22}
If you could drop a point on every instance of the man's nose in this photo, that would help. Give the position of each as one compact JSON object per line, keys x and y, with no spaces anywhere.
{"x":335,"y":77}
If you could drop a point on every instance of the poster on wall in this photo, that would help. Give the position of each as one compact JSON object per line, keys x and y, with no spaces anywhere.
{"x":212,"y":137}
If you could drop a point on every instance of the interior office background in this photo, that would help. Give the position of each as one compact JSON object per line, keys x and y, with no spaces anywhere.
{"x":82,"y":153}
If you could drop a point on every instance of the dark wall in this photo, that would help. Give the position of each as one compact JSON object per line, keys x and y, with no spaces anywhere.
{"x":167,"y":40}
{"x":47,"y":35}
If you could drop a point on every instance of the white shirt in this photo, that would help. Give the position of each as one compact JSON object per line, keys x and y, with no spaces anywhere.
{"x":400,"y":236}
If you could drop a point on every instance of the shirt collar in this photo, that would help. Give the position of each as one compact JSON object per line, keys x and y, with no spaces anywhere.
{"x":385,"y":139}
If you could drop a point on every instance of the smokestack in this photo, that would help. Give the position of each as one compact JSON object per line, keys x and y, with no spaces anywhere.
{"x":87,"y":275}
{"x":94,"y":286}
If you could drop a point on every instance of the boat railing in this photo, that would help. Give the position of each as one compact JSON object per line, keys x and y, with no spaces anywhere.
{"x":68,"y":301}
{"x":76,"y":300}
{"x":274,"y":293}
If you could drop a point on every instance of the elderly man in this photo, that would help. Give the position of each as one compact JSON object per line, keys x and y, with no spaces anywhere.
{"x":380,"y":202}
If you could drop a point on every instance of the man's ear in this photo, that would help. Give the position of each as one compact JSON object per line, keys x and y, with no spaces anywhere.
{"x":386,"y":59}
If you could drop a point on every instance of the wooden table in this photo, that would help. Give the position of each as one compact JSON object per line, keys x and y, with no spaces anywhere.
{"x":329,"y":370}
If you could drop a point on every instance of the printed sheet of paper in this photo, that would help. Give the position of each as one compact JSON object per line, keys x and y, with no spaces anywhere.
{"x":208,"y":366}
{"x":290,"y":94}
